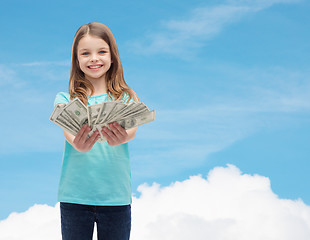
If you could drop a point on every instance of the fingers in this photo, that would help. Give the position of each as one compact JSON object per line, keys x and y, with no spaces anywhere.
{"x":118,"y":130}
{"x":93,"y":139}
{"x":81,"y":134}
{"x":117,"y":135}
{"x":85,"y":134}
{"x":82,"y":143}
{"x":109,"y":135}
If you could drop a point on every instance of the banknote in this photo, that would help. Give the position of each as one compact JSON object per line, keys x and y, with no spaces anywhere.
{"x":93,"y":112}
{"x":56,"y":119}
{"x":137,"y":120}
{"x":73,"y":115}
{"x":77,"y":110}
{"x":106,"y":109}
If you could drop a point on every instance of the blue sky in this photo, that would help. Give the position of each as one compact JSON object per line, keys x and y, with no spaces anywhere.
{"x":229,"y":81}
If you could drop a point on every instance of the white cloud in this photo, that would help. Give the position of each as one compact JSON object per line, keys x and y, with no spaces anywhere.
{"x":227,"y":205}
{"x":179,"y":36}
{"x":47,"y":63}
{"x":38,"y":222}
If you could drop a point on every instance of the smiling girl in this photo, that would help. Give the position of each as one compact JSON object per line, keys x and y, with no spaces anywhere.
{"x":95,"y":184}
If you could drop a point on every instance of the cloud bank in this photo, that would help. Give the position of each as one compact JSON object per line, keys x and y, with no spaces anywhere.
{"x":226,"y":205}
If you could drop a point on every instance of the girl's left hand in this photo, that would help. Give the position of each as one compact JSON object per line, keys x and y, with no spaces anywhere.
{"x":116,"y":136}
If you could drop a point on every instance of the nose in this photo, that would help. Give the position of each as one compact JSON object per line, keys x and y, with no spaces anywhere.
{"x":94,"y":58}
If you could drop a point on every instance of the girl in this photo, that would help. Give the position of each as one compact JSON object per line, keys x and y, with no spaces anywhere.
{"x":95,"y":177}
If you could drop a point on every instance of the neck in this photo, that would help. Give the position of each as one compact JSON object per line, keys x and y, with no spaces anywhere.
{"x":99,"y":86}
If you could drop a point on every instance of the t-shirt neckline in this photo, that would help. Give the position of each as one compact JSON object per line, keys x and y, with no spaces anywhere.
{"x":100,"y":95}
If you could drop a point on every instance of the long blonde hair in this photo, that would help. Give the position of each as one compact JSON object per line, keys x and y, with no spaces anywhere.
{"x":115,"y":82}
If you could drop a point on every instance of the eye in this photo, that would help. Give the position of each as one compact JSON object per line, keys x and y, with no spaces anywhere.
{"x":102,"y":52}
{"x":84,"y":53}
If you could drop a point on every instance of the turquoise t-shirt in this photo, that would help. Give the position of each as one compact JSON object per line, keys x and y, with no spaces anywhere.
{"x":99,"y":177}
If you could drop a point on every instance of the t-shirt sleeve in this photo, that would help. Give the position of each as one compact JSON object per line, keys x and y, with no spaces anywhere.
{"x":62,"y":97}
{"x":125,"y":98}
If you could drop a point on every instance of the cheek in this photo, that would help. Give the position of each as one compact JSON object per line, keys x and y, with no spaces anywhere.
{"x":109,"y":58}
{"x":81,"y":63}
{"x":111,"y":61}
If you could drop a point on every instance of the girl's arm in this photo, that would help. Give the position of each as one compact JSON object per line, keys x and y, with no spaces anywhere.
{"x":131,"y":133}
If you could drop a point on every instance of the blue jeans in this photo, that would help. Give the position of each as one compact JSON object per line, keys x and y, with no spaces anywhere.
{"x":77,"y":222}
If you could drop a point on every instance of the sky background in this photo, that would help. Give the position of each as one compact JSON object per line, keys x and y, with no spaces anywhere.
{"x":229,"y":81}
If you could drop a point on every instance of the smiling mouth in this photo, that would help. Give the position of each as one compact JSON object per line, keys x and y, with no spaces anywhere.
{"x":95,"y":67}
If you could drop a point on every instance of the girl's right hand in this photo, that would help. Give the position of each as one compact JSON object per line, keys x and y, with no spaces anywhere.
{"x":81,"y":142}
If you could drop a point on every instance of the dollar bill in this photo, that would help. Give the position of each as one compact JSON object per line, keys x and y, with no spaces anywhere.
{"x":73,"y":115}
{"x":63,"y":124}
{"x":137,"y":120}
{"x":106,"y":110}
{"x":66,"y":117}
{"x":57,"y":110}
{"x":77,"y":111}
{"x":92,"y":113}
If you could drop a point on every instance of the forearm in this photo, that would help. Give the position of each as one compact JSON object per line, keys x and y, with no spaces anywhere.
{"x":69,"y":137}
{"x":131,"y":134}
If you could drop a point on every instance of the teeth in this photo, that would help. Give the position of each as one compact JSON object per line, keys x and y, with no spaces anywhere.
{"x":95,"y":66}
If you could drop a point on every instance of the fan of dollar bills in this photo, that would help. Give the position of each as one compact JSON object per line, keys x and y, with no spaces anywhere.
{"x":73,"y":115}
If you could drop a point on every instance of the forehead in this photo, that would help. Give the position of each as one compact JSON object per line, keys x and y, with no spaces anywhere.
{"x":90,"y":42}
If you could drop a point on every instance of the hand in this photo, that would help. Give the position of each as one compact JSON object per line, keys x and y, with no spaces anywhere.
{"x":81,"y":141}
{"x":116,"y":136}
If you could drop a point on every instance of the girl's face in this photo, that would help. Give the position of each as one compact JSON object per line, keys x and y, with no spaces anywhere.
{"x":94,"y":57}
